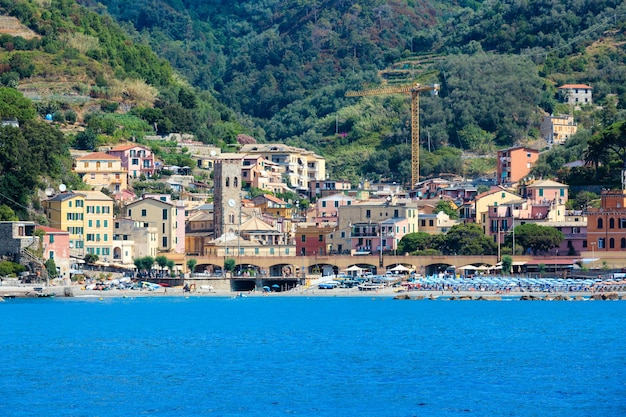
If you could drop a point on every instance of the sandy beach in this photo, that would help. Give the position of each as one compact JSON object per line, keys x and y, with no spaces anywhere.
{"x":79,"y":291}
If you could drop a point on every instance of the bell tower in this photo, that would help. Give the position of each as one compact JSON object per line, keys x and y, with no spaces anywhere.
{"x":227,"y":193}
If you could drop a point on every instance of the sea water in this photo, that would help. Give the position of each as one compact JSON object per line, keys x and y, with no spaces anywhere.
{"x":324,"y":356}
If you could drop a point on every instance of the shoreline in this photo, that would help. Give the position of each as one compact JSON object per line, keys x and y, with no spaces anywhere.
{"x":77,"y":291}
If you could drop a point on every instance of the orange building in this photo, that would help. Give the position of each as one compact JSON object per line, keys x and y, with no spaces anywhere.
{"x":606,"y":226}
{"x":515,"y":163}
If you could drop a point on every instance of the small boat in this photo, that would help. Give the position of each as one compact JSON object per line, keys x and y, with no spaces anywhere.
{"x":45,"y":294}
{"x":370,"y":287}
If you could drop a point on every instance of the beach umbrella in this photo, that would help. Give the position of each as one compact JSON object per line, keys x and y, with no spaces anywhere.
{"x":400,"y":268}
{"x":354,"y":268}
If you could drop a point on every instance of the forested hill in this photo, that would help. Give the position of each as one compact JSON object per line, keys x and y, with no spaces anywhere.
{"x":285,"y":65}
{"x":278,"y":71}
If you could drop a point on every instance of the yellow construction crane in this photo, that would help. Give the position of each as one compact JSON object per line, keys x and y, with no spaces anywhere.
{"x":414,"y":90}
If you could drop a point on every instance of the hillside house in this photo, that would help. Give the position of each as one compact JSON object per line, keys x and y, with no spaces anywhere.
{"x":575,"y":94}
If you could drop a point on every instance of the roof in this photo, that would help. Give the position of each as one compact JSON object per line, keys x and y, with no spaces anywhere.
{"x":493,"y":190}
{"x":64,"y":196}
{"x":513,"y":148}
{"x":575,"y":164}
{"x":95,"y":195}
{"x":52,"y":230}
{"x":97,"y":156}
{"x":201,"y":216}
{"x":546,"y":183}
{"x":255,"y":224}
{"x":275,"y":147}
{"x":568,"y":86}
{"x":148,"y":199}
{"x":122,"y":148}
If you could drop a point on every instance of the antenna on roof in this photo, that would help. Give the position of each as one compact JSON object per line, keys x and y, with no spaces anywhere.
{"x":62,"y":188}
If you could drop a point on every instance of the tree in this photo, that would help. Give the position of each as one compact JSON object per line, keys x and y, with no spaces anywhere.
{"x":537,"y":238}
{"x":191,"y":264}
{"x":86,"y":140}
{"x":13,"y":105}
{"x":51,"y":268}
{"x":507,"y":264}
{"x":468,"y":239}
{"x":91,"y":258}
{"x":412,"y":242}
{"x":7,"y":213}
{"x":161,"y":261}
{"x":582,"y":200}
{"x":608,"y":145}
{"x":170,"y":266}
{"x":229,"y":264}
{"x":446,"y":207}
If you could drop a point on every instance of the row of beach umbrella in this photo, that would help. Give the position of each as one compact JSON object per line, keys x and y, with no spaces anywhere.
{"x":495,"y":283}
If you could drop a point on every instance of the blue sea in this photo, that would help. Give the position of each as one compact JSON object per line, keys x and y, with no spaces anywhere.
{"x":324,"y":356}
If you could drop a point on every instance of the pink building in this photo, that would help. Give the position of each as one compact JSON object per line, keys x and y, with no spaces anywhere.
{"x":327,"y":208}
{"x":56,"y":246}
{"x":136,"y":159}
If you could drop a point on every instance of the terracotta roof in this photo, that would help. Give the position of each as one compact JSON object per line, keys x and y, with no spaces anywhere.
{"x":127,"y":147}
{"x":492,"y":190}
{"x":52,"y":230}
{"x":97,"y":155}
{"x":568,"y":86}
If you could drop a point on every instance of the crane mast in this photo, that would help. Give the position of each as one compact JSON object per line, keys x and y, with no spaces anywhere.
{"x":413,"y":90}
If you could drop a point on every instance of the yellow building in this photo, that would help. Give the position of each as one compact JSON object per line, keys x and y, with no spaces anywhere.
{"x":494,"y":197}
{"x":557,"y":129}
{"x":165,"y":216}
{"x":101,"y":170}
{"x":87,"y":216}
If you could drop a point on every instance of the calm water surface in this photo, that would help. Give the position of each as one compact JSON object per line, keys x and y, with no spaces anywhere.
{"x":262,"y":356}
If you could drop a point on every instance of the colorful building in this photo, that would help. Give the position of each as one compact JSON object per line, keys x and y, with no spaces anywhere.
{"x":101,"y":170}
{"x":160,"y":212}
{"x":606,"y":226}
{"x":136,"y":159}
{"x":56,"y":246}
{"x":87,"y":216}
{"x":515,"y":163}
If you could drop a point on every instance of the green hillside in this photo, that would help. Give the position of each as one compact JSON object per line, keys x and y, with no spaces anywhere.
{"x":278,"y":70}
{"x":285,"y":65}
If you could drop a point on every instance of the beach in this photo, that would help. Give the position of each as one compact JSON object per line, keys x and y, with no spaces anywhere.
{"x":78,"y":291}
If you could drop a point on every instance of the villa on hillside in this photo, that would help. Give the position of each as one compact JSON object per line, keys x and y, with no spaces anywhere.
{"x":136,"y":159}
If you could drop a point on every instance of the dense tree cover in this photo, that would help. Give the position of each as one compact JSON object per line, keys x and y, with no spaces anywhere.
{"x":28,"y":152}
{"x":461,"y":239}
{"x":112,"y":46}
{"x":278,"y":71}
{"x":7,"y":213}
{"x":13,"y":105}
{"x":538,"y":238}
{"x":285,"y":65}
